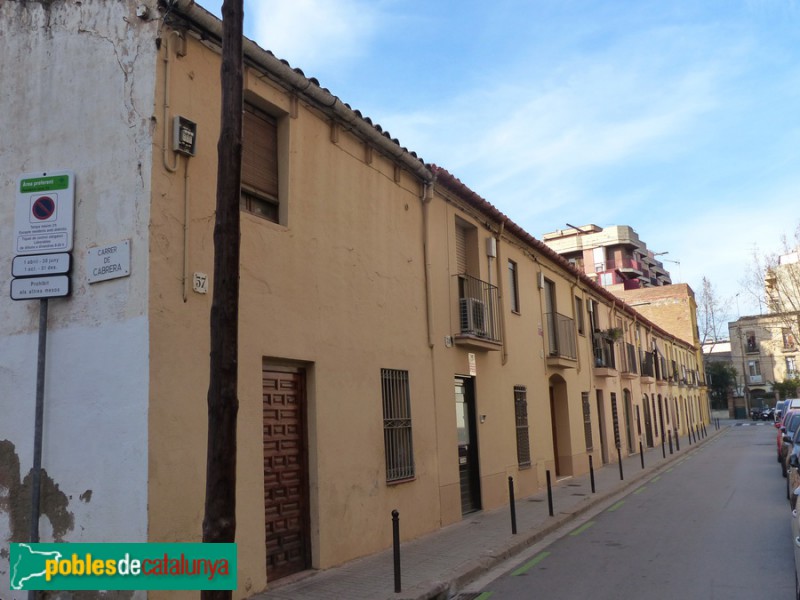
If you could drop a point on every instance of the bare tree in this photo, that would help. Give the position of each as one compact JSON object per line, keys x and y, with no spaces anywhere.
{"x":782,"y":277}
{"x":773,"y":279}
{"x":219,"y":522}
{"x":713,"y":314}
{"x":752,"y":283}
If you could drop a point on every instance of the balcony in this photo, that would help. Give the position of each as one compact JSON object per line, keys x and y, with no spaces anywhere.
{"x":604,"y":363}
{"x":628,"y":360}
{"x":648,"y":366}
{"x":755,"y":379}
{"x":561,"y":347}
{"x":662,"y":376}
{"x":478,"y":314}
{"x":626,"y":265}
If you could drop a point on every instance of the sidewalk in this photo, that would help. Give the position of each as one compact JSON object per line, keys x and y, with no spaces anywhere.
{"x":439,"y":564}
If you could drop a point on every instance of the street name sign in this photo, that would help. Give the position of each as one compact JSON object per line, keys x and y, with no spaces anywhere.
{"x":45,"y":212}
{"x":108,"y":262}
{"x":32,"y":288}
{"x":32,"y":265}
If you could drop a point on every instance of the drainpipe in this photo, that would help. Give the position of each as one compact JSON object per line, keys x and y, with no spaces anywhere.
{"x":185,"y":229}
{"x":180,"y":51}
{"x":572,"y":287}
{"x":500,"y":295}
{"x":426,"y":198}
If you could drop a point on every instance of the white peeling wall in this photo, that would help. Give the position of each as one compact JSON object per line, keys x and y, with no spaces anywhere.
{"x":77,"y":93}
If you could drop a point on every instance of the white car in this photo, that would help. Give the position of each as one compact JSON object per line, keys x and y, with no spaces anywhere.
{"x":796,"y":542}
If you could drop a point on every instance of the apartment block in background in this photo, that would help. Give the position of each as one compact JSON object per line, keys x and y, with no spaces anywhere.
{"x":614,"y":257}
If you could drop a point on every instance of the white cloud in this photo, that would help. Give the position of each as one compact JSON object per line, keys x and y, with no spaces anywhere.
{"x":314,"y":35}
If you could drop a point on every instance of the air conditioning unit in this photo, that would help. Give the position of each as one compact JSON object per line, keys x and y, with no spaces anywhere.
{"x":474,"y":319}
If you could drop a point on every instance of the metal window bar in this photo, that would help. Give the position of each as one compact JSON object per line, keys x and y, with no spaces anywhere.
{"x":662,"y":374}
{"x":479,"y":308}
{"x":603,"y":352}
{"x":561,"y":336}
{"x":631,"y":363}
{"x":397,"y":425}
{"x":647,"y":364}
{"x":521,"y":417}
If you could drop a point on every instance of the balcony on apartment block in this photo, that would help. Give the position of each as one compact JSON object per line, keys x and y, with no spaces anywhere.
{"x":562,"y":348}
{"x":662,"y":376}
{"x":628,"y":366}
{"x":647,"y":360}
{"x":625,"y":265}
{"x":603,"y":350}
{"x":478,"y":314}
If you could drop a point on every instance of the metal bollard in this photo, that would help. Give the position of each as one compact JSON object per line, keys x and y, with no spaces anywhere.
{"x":396,"y":548}
{"x":591,"y":472}
{"x":677,"y":442}
{"x":669,"y":436}
{"x":663,"y":450}
{"x":641,"y":453}
{"x":512,"y":505}
{"x":549,"y":494}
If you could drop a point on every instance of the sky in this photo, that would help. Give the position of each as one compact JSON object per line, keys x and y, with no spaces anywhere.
{"x":680,"y":119}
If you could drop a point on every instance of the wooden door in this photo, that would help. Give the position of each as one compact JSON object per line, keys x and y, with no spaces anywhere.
{"x":285,"y":474}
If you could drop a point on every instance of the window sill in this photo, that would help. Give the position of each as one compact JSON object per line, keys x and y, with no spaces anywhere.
{"x":400,"y":481}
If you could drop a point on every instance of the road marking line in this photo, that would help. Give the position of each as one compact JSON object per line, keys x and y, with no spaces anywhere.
{"x":656,"y":478}
{"x":640,"y":490}
{"x":616,"y":506}
{"x":484,"y":596}
{"x":582,"y":528}
{"x":530,"y":564}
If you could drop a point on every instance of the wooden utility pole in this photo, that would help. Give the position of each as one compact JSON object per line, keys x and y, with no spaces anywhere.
{"x":219,"y":522}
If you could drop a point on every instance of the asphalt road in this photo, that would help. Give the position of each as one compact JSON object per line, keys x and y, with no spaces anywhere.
{"x":715,"y":525}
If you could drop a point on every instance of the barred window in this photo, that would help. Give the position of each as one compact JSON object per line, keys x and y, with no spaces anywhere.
{"x":397,"y":425}
{"x":521,"y":416}
{"x":587,"y":420}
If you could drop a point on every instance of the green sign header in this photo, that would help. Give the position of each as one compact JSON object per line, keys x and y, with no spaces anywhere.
{"x":44,"y":184}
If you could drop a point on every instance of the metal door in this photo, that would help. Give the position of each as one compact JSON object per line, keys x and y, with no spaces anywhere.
{"x":468,"y":470}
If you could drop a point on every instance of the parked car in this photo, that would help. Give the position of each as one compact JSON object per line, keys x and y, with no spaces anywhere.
{"x":791,"y":425}
{"x":796,"y":543}
{"x":780,"y":408}
{"x":793,"y":476}
{"x":792,"y":465}
{"x":781,"y":427}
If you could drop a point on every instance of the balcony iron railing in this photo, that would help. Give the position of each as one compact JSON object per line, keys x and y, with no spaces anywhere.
{"x":603,"y":352}
{"x":561,"y":336}
{"x":621,"y":264}
{"x":662,"y":372}
{"x":646,"y":359}
{"x":478,"y":308}
{"x":628,"y":358}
